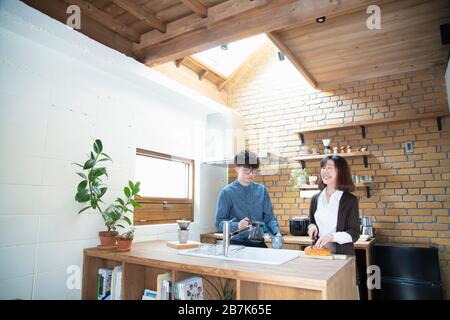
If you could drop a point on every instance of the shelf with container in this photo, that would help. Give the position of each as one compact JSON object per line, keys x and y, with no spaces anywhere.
{"x":367,"y":123}
{"x":358,"y":185}
{"x":308,"y":157}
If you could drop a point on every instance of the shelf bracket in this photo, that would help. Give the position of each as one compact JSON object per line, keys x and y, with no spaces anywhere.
{"x":368,"y":192}
{"x":439,"y":123}
{"x":303,"y":162}
{"x":366,"y":162}
{"x":302,"y":138}
{"x":364,"y":131}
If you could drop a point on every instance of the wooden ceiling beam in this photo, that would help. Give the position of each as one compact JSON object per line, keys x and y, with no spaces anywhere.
{"x":197,"y":7}
{"x":93,"y":12}
{"x":142,"y":14}
{"x":202,"y":74}
{"x":275,"y":15}
{"x":276,"y":39}
{"x":179,"y":62}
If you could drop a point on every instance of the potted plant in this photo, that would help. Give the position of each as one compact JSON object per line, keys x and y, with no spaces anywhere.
{"x":298,"y":177}
{"x":92,"y":189}
{"x":125,"y":239}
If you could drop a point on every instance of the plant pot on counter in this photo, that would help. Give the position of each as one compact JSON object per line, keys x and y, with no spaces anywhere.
{"x":107,"y":240}
{"x":124,"y":243}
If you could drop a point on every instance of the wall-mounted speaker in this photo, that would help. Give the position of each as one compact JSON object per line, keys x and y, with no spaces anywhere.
{"x":445,"y":33}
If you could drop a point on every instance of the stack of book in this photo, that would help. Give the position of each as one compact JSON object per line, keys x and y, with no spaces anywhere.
{"x":189,"y":289}
{"x":164,"y":284}
{"x":104,"y":278}
{"x":116,"y":283}
{"x":109,"y":283}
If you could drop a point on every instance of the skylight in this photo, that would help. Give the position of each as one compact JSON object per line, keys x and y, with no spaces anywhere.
{"x":227,"y":60}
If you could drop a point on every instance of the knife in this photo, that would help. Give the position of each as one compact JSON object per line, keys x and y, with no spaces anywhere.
{"x":314,"y":240}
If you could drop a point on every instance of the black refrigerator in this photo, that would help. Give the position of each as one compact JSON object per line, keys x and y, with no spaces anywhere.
{"x":408,"y":273}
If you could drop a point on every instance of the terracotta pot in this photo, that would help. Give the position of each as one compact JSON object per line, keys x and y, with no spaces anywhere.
{"x":124,"y":244}
{"x":108,"y":238}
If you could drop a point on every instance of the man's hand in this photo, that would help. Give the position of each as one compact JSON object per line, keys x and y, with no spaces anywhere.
{"x":324,"y":240}
{"x":243,"y":223}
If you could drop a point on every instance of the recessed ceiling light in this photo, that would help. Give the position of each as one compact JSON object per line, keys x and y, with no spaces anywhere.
{"x":321,"y":19}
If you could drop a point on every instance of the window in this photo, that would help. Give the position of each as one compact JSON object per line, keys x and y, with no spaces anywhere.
{"x":167,"y":188}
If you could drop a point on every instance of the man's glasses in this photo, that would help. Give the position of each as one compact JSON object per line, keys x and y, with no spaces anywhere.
{"x":249,"y":170}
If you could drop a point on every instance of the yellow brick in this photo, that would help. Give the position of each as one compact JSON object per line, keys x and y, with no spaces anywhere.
{"x":394,"y":152}
{"x":440,"y":212}
{"x":424,"y":233}
{"x":433,"y":191}
{"x":418,"y":184}
{"x":432,"y":156}
{"x":409,"y":171}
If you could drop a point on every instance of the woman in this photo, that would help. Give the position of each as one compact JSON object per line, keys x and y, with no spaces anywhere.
{"x":334,"y":212}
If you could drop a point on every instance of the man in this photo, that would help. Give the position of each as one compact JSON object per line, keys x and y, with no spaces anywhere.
{"x":244,"y":201}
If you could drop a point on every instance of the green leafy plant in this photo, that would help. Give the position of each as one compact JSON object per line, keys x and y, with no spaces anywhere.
{"x":116,"y":213}
{"x":223,"y":291}
{"x":92,"y":188}
{"x":129,"y":233}
{"x":298,"y":177}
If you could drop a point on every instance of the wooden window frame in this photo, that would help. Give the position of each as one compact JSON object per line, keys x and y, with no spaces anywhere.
{"x":164,"y":210}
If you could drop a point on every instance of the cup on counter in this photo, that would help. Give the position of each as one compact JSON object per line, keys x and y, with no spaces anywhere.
{"x":277,"y":242}
{"x":183,"y":236}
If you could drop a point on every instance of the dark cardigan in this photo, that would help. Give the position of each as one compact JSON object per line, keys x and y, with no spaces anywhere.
{"x":347,"y":221}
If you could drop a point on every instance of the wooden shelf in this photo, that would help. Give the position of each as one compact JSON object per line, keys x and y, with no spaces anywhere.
{"x":296,"y":279}
{"x":366,"y":123}
{"x":359,"y":185}
{"x":308,"y":157}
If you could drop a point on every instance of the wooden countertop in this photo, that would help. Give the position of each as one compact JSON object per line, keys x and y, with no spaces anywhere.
{"x":301,"y":272}
{"x":301,"y":240}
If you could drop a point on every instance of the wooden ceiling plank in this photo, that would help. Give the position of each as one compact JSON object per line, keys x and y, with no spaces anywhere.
{"x":105,"y":19}
{"x":193,"y":22}
{"x":142,"y":14}
{"x":196,"y":7}
{"x":276,"y":39}
{"x":275,"y":15}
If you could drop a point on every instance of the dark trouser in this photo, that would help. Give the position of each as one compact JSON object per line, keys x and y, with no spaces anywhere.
{"x":249,"y":243}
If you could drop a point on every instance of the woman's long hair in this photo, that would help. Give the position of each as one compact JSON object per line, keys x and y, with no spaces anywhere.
{"x":344,"y":181}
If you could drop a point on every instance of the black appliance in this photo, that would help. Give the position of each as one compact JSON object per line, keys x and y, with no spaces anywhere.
{"x":298,"y":226}
{"x":408,"y":273}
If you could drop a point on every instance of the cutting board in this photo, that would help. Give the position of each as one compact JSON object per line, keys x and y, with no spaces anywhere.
{"x":187,"y":245}
{"x":330,"y":257}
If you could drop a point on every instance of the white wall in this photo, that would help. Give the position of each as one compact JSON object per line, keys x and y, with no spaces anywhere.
{"x":59,"y":90}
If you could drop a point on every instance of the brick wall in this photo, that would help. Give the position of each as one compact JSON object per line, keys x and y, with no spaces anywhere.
{"x":410,"y":200}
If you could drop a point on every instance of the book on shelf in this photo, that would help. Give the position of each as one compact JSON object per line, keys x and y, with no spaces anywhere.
{"x":189,"y":289}
{"x":149,"y":295}
{"x":104,"y":277}
{"x":116,"y":283}
{"x":164,"y":284}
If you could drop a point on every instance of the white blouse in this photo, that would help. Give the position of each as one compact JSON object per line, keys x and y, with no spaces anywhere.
{"x":326,"y":217}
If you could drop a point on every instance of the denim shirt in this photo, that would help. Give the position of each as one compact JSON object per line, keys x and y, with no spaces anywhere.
{"x":238,"y":201}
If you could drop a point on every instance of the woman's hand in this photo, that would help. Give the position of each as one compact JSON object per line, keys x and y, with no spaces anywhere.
{"x":324,"y":240}
{"x":313,"y":232}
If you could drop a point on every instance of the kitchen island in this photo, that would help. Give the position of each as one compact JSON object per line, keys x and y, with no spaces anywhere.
{"x":301,"y":278}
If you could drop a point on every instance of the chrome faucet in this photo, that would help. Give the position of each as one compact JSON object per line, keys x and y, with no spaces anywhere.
{"x":227,"y":235}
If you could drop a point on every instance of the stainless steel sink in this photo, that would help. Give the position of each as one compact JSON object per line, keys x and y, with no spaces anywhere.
{"x":241,"y":253}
